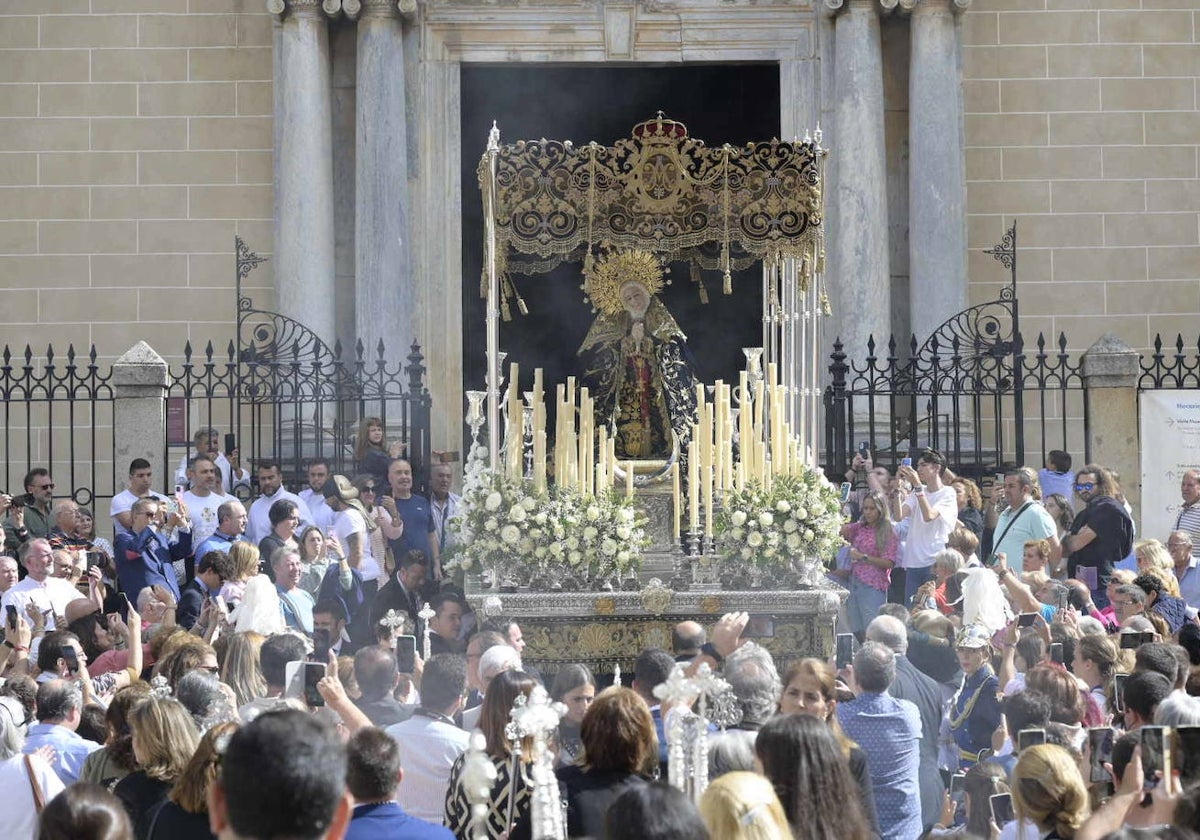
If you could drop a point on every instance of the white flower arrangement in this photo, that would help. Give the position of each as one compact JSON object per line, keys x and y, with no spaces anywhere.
{"x":780,"y":532}
{"x":519,"y":535}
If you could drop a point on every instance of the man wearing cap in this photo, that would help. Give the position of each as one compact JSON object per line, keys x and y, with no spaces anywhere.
{"x":975,"y":709}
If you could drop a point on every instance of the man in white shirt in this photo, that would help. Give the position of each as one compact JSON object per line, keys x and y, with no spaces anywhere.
{"x":204,"y":499}
{"x":141,"y":474}
{"x":48,"y":594}
{"x":1024,"y":520}
{"x":443,"y":505}
{"x":232,"y":475}
{"x":932,"y":512}
{"x":322,"y":514}
{"x":270,"y":485}
{"x":430,"y":740}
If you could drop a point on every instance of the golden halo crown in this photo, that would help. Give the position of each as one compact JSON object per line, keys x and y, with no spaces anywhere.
{"x":612,"y":271}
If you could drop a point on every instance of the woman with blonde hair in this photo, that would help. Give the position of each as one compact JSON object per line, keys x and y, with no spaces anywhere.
{"x":970,"y":504}
{"x":164,"y":740}
{"x":184,"y":814}
{"x":1049,"y":792}
{"x":874,"y":548}
{"x":1153,"y":557}
{"x":240,"y":668}
{"x":743,"y":806}
{"x":245,"y":565}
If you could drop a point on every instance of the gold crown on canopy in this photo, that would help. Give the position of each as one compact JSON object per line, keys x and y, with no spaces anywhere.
{"x":612,"y":271}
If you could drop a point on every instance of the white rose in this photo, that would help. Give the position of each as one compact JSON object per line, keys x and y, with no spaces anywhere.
{"x":738,"y":518}
{"x":608,"y":548}
{"x":572,"y":543}
{"x":529,"y":503}
{"x":625,"y":514}
{"x":622,"y":556}
{"x":592,"y":513}
{"x":517,"y":514}
{"x":624,"y":532}
{"x":782,"y":506}
{"x":511,"y":534}
{"x":493,"y":501}
{"x":539,"y":552}
{"x":770,"y":552}
{"x":491,"y":524}
{"x":556,"y":549}
{"x":738,"y":533}
{"x":793,"y":541}
{"x":790,"y":525}
{"x":540,"y":518}
{"x":575,"y":557}
{"x":754,"y":540}
{"x":590,"y":532}
{"x":747,"y":554}
{"x":808,"y":535}
{"x":800,"y":513}
{"x":766,"y":520}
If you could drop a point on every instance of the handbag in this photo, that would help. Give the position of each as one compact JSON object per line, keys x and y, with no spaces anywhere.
{"x":39,"y":797}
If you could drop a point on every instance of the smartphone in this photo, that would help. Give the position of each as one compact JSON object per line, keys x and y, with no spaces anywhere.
{"x":864,"y":449}
{"x":906,"y":462}
{"x":1101,"y":739}
{"x":991,"y":561}
{"x":1133,"y":641}
{"x":1119,"y":691}
{"x":71,"y":658}
{"x":1030,"y":738}
{"x":94,"y":559}
{"x":844,"y":492}
{"x":845,"y":650}
{"x":1187,"y":753}
{"x":1056,"y":652}
{"x":406,"y":654}
{"x":12,"y":616}
{"x":123,"y":606}
{"x":1156,"y":757}
{"x":313,"y":673}
{"x":180,"y":489}
{"x":321,"y":644}
{"x":230,"y":443}
{"x":1026,"y":619}
{"x":1002,"y":808}
{"x":956,"y":786}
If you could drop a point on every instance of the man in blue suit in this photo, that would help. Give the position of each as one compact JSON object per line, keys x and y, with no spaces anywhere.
{"x":373,"y":775}
{"x":143,"y":556}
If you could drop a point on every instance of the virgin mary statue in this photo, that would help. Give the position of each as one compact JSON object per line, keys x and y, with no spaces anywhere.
{"x":635,"y":359}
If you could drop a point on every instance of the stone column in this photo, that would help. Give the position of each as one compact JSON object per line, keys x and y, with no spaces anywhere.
{"x":858,"y":252}
{"x":304,"y":267}
{"x":1110,"y":379}
{"x":139,"y":382}
{"x":937,"y":221}
{"x":384,"y":302}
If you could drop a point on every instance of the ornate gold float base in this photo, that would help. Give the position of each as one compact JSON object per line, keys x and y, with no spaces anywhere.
{"x":604,"y":629}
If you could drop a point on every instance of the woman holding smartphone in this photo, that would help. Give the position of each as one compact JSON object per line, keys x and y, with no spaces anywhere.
{"x":874,"y":547}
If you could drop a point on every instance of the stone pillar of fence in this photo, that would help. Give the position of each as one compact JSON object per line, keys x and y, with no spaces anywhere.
{"x":139,"y":381}
{"x":1110,"y":378}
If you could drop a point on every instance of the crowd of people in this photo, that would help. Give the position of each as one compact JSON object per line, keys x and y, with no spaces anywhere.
{"x":1014,"y":668}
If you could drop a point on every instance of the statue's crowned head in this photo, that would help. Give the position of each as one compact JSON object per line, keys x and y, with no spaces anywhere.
{"x":624,"y":281}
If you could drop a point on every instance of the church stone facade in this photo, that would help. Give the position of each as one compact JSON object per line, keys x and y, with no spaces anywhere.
{"x":137,"y":137}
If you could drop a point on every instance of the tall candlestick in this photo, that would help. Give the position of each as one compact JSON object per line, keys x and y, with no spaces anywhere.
{"x":516,"y":424}
{"x":602,"y":480}
{"x":629,"y":479}
{"x":706,"y":483}
{"x":719,"y":433}
{"x":693,"y":486}
{"x":539,"y":461}
{"x":676,"y":501}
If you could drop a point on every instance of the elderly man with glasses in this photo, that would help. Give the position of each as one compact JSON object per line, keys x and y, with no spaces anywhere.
{"x":1182,"y":551}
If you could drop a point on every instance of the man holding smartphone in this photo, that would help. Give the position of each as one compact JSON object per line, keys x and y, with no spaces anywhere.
{"x":49,"y":595}
{"x":932,"y":512}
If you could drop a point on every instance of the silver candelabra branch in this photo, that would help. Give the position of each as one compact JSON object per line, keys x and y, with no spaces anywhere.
{"x":535,"y":718}
{"x":425,"y":614}
{"x":687,"y":730}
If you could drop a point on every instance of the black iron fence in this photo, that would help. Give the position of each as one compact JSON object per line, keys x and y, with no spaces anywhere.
{"x":1180,"y":369}
{"x":58,"y":416}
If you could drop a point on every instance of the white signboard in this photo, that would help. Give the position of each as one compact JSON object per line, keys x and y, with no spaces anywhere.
{"x":1170,"y":445}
